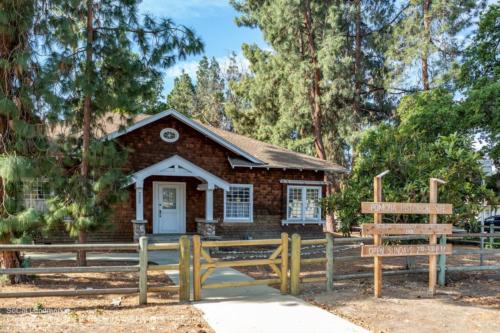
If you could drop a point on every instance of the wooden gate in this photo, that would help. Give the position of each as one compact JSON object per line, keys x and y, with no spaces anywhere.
{"x":202,"y":270}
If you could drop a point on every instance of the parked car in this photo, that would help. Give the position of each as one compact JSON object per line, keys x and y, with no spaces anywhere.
{"x":495,"y":220}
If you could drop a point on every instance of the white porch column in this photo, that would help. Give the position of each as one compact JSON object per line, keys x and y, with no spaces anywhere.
{"x":209,"y":202}
{"x":139,"y":223}
{"x":139,"y":200}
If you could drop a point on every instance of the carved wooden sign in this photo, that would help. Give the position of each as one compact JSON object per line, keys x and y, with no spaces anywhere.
{"x":405,"y":208}
{"x":378,"y":229}
{"x":406,"y":229}
{"x":404,"y":250}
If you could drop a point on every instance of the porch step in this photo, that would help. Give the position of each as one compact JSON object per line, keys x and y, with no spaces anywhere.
{"x":164,"y":238}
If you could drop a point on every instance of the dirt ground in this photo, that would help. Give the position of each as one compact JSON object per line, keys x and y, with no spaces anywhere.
{"x":107,"y":313}
{"x":470,"y":302}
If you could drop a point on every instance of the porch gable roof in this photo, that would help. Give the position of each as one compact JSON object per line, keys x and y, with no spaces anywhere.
{"x":180,"y":167}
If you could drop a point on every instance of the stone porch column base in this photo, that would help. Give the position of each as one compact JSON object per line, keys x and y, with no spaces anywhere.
{"x":206,"y":228}
{"x":139,"y":229}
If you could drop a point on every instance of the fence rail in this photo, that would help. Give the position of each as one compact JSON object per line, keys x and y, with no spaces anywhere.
{"x":297,"y":261}
{"x":201,"y":271}
{"x":288,"y":276}
{"x":183,"y":288}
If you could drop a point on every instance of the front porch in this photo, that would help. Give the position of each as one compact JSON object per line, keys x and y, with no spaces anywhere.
{"x":175,"y":197}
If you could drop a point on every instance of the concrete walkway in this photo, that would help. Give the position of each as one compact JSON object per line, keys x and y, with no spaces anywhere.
{"x":254,"y":309}
{"x":262,"y":309}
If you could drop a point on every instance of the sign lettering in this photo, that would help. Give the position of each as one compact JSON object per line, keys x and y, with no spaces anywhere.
{"x":404,"y":250}
{"x":406,"y":229}
{"x":405,"y":208}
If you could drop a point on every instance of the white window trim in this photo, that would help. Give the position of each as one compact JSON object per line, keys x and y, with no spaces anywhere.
{"x":39,"y":204}
{"x":240,"y":220}
{"x":303,"y":219}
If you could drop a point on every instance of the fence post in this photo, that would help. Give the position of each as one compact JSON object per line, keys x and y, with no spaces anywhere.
{"x":329,"y":261}
{"x":442,"y":263}
{"x":481,"y":241}
{"x":143,"y":270}
{"x":196,"y":267}
{"x":492,"y":230}
{"x":295,"y":265}
{"x":184,"y":258}
{"x":284,"y":263}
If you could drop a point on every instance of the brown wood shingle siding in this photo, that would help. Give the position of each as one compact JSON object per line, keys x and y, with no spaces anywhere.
{"x":269,"y":196}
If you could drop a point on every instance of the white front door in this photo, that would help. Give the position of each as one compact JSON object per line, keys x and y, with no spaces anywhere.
{"x":169,"y":208}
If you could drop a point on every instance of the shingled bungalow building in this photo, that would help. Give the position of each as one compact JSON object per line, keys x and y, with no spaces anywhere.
{"x":187,"y":177}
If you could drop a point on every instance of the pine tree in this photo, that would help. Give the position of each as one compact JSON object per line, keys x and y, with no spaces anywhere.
{"x":210,"y":93}
{"x":311,"y":70}
{"x":428,"y":37}
{"x":113,"y":65}
{"x":233,"y":103}
{"x":22,"y":140}
{"x":182,"y":96}
{"x":479,"y":82}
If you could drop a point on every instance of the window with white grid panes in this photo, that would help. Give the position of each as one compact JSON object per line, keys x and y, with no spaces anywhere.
{"x":304,"y":203}
{"x":294,"y":203}
{"x":238,"y":203}
{"x":35,"y":194}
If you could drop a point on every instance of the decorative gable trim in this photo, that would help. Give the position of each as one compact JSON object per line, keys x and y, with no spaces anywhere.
{"x":178,"y":166}
{"x":191,"y":124}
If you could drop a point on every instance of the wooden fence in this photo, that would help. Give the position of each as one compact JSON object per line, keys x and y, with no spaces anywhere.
{"x":278,"y":257}
{"x":183,"y":288}
{"x":204,"y":264}
{"x":329,"y":260}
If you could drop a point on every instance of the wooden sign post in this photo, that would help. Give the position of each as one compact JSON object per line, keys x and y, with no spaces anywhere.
{"x":433,"y":195}
{"x":377,"y":229}
{"x":377,"y":239}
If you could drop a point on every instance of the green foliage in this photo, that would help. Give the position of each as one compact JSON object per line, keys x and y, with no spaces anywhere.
{"x":209,"y":101}
{"x":22,"y":142}
{"x":425,"y":142}
{"x":182,"y":96}
{"x":119,"y":70}
{"x":441,"y":45}
{"x":212,"y":100}
{"x":479,"y":77}
{"x":84,"y":206}
{"x":279,"y":100}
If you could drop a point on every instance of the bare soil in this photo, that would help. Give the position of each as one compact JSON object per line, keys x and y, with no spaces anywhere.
{"x":106,"y":313}
{"x":470,"y":302}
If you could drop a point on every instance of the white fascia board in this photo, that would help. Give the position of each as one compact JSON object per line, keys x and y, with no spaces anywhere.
{"x":179,"y":116}
{"x":190,"y":169}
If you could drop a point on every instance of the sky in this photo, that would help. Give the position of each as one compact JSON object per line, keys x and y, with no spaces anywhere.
{"x":213,"y":21}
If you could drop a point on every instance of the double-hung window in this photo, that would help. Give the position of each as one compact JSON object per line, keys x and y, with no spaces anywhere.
{"x":238,"y":203}
{"x":303,"y":204}
{"x":35,"y":194}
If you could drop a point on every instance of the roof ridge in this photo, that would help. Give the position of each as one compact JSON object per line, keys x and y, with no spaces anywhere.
{"x":210,"y":127}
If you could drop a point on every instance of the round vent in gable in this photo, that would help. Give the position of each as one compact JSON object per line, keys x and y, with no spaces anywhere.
{"x":169,"y":135}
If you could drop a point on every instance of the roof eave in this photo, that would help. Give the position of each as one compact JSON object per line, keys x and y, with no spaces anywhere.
{"x":223,"y":142}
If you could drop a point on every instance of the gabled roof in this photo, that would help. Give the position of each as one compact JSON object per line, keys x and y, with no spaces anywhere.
{"x":178,"y":166}
{"x":191,"y":123}
{"x":252,"y":153}
{"x":273,"y":156}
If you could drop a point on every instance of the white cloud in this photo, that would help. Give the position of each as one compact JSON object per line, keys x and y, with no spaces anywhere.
{"x":179,"y":9}
{"x":190,"y":67}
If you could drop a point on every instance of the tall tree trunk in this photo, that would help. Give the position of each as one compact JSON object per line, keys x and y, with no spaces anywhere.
{"x":316,"y":110}
{"x":10,"y":259}
{"x":315,"y":90}
{"x":82,"y":256}
{"x":425,"y":53}
{"x":7,"y":45}
{"x":357,"y":60}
